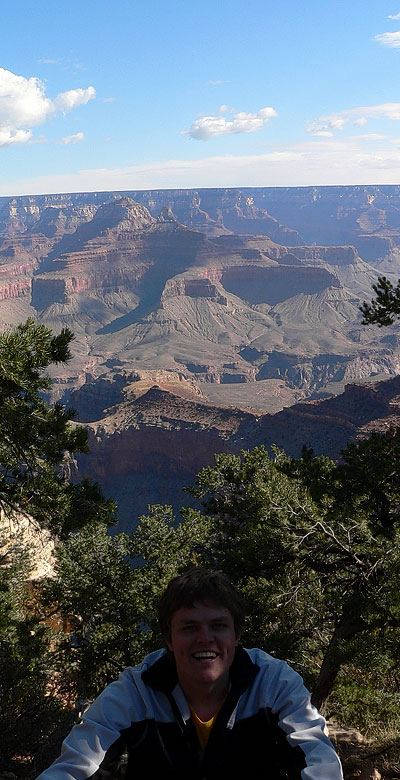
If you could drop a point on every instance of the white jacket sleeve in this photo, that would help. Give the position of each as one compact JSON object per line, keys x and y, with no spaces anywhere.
{"x":88,"y":743}
{"x":303,"y":726}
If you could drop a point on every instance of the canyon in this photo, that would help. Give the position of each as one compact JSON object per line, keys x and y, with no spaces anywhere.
{"x":207,"y":321}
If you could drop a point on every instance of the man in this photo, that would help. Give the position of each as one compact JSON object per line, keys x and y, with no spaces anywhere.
{"x":203,"y":709}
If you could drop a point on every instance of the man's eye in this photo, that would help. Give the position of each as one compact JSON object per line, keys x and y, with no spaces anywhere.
{"x":220,"y":625}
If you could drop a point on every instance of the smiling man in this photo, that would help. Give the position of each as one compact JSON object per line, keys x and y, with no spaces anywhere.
{"x":203,"y":709}
{"x":202,"y":640}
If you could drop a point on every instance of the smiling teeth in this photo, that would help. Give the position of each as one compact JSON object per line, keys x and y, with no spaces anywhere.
{"x":205,"y":655}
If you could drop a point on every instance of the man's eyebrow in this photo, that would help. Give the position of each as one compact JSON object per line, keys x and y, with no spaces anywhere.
{"x":187,"y":620}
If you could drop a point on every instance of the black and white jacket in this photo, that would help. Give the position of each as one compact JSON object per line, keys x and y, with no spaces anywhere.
{"x":140,"y":726}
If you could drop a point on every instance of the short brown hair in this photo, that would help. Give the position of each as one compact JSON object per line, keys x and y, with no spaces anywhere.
{"x":208,"y":587}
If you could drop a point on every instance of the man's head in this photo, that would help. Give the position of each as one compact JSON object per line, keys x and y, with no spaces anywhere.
{"x":201,"y":616}
{"x":199,"y":585}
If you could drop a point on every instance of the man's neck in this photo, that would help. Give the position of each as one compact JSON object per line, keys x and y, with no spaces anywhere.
{"x":206,"y":700}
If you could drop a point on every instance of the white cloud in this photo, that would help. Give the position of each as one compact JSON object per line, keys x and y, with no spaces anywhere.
{"x":211,"y":126}
{"x":50,"y":61}
{"x":322,"y":133}
{"x":72,"y":139}
{"x":391,"y":39}
{"x":10,"y":136}
{"x":66,"y":101}
{"x":217,"y":82}
{"x":386,"y":110}
{"x":65,"y":63}
{"x":326,"y":124}
{"x":316,"y":162}
{"x":24,"y":104}
{"x":224,"y":170}
{"x":394,"y":16}
{"x":22,"y":101}
{"x":370,"y":137}
{"x":110,"y":100}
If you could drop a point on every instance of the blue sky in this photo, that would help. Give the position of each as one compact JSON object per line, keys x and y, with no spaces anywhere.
{"x":133,"y":95}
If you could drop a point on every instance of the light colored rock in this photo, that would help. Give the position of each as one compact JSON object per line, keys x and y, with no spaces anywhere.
{"x":15,"y":528}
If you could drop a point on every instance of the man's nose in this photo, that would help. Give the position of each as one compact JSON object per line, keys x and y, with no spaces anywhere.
{"x":205,"y":633}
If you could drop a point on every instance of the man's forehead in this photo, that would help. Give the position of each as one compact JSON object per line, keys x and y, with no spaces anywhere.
{"x":200,"y":610}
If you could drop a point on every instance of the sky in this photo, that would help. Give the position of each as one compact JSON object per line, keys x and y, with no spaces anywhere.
{"x":188,"y":93}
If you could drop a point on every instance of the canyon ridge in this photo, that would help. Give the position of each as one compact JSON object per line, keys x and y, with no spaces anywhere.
{"x":207,"y":321}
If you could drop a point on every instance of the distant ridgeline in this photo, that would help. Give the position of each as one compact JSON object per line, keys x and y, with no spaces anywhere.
{"x":233,"y":302}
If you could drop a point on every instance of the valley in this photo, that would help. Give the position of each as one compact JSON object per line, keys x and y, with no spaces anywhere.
{"x":205,"y":320}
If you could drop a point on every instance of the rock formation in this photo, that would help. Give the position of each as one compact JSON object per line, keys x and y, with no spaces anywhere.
{"x":146,"y":448}
{"x":243,"y":298}
{"x":156,"y":294}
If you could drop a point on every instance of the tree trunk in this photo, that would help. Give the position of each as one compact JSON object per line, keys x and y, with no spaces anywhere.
{"x":348,"y":626}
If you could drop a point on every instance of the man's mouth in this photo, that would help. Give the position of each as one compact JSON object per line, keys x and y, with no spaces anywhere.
{"x":207,"y":655}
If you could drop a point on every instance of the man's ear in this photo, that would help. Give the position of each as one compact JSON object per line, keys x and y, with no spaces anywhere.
{"x":167,"y":640}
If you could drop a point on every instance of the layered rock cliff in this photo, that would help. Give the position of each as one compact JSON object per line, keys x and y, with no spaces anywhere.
{"x":225,"y":298}
{"x":143,"y":288}
{"x":146,"y":449}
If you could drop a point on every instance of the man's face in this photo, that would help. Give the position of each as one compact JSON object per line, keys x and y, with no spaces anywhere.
{"x":203,"y":642}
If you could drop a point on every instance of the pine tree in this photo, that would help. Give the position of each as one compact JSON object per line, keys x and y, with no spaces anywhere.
{"x":385,"y":308}
{"x":315,"y":548}
{"x":35,"y":439}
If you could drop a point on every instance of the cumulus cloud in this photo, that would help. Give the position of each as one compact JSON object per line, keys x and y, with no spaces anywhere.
{"x":391,"y":39}
{"x":72,"y":139}
{"x":24,"y":104}
{"x":386,"y":110}
{"x":325,"y":125}
{"x":9,"y":136}
{"x":66,"y":101}
{"x":211,"y":126}
{"x":22,"y":101}
{"x":394,"y":16}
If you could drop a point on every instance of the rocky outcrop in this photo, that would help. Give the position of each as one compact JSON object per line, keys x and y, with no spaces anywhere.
{"x":17,"y":529}
{"x":114,"y":250}
{"x":15,"y":288}
{"x":333,"y":255}
{"x":289,"y":215}
{"x":94,"y":397}
{"x":18,"y":214}
{"x":194,"y":288}
{"x":326,"y":426}
{"x":139,"y":287}
{"x":55,"y":221}
{"x":274,"y":284}
{"x":148,"y":448}
{"x":373,"y":248}
{"x":123,"y":215}
{"x":356,"y":753}
{"x":312,"y":374}
{"x":21,"y":215}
